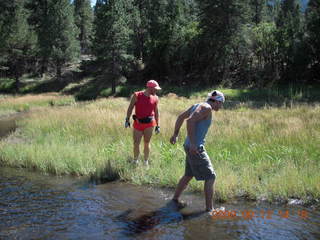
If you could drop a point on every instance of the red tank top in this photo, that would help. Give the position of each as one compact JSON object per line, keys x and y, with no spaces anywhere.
{"x":145,"y":105}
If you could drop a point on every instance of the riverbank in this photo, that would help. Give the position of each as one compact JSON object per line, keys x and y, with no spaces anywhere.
{"x":267,"y":153}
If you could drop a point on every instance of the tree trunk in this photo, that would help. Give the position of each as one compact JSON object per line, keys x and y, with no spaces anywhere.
{"x":16,"y":84}
{"x":44,"y":66}
{"x":113,"y":81}
{"x":58,"y":66}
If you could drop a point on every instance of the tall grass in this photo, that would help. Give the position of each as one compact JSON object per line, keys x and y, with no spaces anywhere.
{"x":268,"y":152}
{"x":11,"y":103}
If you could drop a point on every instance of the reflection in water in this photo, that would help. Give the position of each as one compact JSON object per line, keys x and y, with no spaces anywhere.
{"x":35,"y":206}
{"x":170,"y":213}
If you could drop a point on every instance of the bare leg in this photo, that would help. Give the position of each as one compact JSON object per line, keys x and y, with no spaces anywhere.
{"x":183,"y":183}
{"x":208,"y":191}
{"x":137,"y":135}
{"x":147,"y":134}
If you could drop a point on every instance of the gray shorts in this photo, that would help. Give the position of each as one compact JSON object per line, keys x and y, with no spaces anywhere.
{"x":199,"y":165}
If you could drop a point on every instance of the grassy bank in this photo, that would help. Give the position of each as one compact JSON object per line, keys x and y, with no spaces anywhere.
{"x":270,"y":152}
{"x":20,"y":103}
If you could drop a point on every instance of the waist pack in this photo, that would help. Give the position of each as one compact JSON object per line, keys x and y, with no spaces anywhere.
{"x":143,"y":120}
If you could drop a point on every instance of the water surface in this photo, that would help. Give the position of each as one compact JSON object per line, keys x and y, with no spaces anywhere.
{"x":37,"y":206}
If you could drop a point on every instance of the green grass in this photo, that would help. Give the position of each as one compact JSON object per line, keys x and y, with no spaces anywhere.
{"x":16,"y":103}
{"x":271,"y":151}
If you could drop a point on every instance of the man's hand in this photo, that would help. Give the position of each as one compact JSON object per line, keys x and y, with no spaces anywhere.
{"x":127,"y":123}
{"x":157,"y":129}
{"x":193,"y":149}
{"x":173,"y":139}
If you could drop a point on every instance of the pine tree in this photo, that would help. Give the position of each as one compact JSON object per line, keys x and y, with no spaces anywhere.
{"x":39,"y":20}
{"x":18,"y":40}
{"x":84,"y":20}
{"x":220,"y":22}
{"x":289,"y":34}
{"x":140,"y":26}
{"x":258,"y":10}
{"x":163,"y":32}
{"x":112,"y":36}
{"x":265,"y":52}
{"x":6,"y":11}
{"x":183,"y":24}
{"x":61,"y":40}
{"x":53,"y":21}
{"x":313,"y":35}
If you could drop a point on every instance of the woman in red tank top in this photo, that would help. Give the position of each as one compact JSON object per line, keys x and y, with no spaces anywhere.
{"x":145,"y":119}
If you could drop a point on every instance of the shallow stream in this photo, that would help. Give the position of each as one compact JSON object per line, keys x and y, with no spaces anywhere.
{"x":36,"y":206}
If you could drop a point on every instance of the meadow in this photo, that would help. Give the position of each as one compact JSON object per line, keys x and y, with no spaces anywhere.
{"x":258,"y":152}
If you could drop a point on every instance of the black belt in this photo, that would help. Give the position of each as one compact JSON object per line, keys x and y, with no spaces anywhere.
{"x":143,"y":120}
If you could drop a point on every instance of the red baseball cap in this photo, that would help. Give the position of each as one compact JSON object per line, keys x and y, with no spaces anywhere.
{"x":153,"y":84}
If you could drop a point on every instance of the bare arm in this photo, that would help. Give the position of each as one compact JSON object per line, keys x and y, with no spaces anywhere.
{"x":131,"y":106}
{"x":156,"y":115}
{"x":178,"y":124}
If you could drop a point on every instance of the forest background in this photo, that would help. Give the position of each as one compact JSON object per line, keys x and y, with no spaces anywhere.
{"x":72,"y":47}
